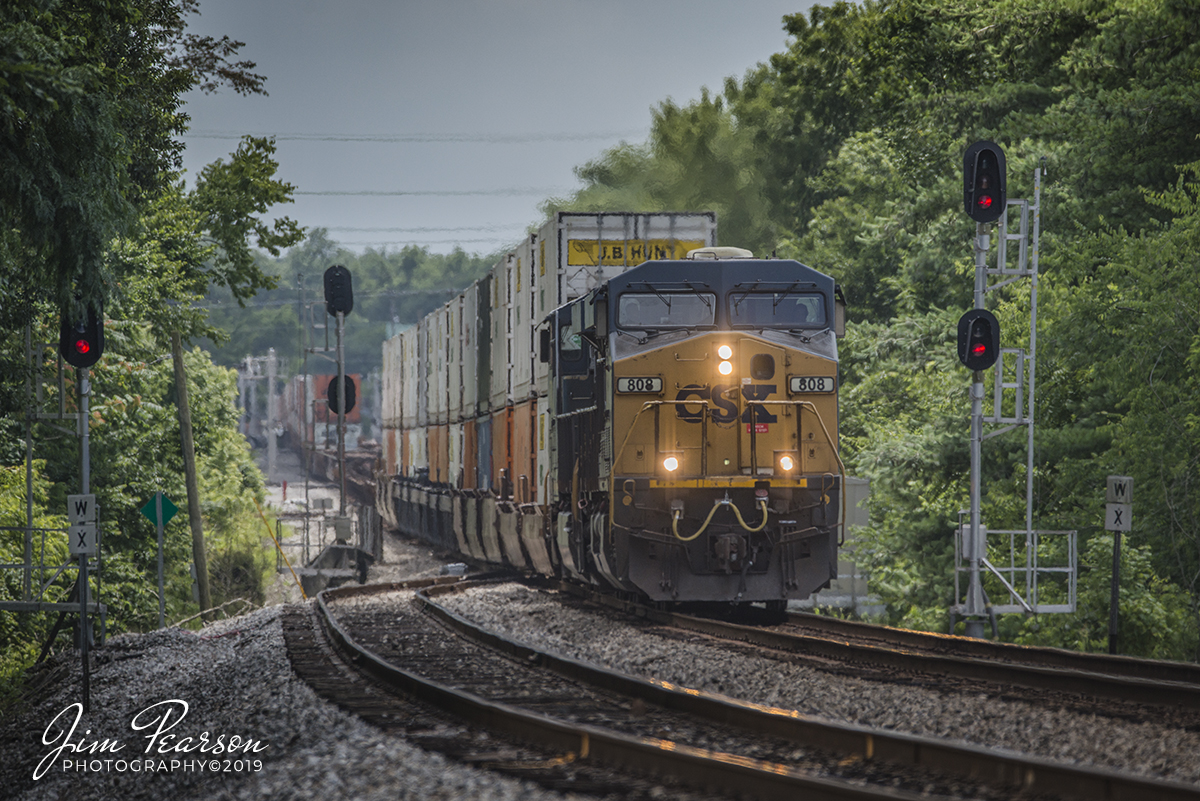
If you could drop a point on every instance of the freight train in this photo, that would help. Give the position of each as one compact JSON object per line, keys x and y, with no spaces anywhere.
{"x":307,"y":421}
{"x":622,"y":403}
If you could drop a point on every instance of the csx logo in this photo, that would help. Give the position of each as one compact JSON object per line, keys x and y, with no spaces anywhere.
{"x":725,"y":408}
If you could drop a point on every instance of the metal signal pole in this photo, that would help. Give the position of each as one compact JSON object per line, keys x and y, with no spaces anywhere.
{"x":975,"y":607}
{"x":85,"y":458}
{"x":341,"y":426}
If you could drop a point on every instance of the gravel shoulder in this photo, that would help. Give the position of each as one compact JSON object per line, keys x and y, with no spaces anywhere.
{"x":236,"y":681}
{"x":537,"y":617}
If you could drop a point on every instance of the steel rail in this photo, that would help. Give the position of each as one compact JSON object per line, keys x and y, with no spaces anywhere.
{"x":1130,"y":689}
{"x":695,"y":767}
{"x":1119,"y":678}
{"x":1132,"y":667}
{"x":1027,"y":773}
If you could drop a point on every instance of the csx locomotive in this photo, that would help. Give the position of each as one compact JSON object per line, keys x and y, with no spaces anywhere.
{"x":667,"y":428}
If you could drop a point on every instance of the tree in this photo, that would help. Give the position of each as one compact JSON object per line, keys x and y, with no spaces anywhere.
{"x":90,"y":97}
{"x":698,"y":159}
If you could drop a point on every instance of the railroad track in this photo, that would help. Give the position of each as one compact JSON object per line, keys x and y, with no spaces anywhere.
{"x":1156,"y":670}
{"x":1077,"y":679}
{"x":571,"y":716}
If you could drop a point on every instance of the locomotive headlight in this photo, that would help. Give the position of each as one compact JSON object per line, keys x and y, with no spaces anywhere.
{"x":725,"y":368}
{"x":671,"y":463}
{"x":725,"y":352}
{"x":786,"y":462}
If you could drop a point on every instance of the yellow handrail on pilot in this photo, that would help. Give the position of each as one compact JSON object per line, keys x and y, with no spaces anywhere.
{"x":829,"y":439}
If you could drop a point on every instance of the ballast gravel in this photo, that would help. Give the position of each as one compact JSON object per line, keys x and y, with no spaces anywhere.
{"x":236,"y":681}
{"x":538,"y":618}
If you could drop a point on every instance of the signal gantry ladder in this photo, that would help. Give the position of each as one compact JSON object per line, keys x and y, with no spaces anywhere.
{"x":1035,"y":558}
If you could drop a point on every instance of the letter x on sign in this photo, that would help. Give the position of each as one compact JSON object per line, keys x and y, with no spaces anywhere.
{"x":83,"y":539}
{"x":1118,"y":517}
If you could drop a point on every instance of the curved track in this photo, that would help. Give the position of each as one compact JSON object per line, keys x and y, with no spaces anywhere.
{"x":1124,"y":683}
{"x":575,"y":715}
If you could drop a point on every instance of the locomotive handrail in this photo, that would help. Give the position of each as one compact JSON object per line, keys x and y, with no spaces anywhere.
{"x":633,"y":424}
{"x":832,"y":445}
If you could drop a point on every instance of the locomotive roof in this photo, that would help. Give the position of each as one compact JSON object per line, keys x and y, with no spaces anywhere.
{"x":725,"y":275}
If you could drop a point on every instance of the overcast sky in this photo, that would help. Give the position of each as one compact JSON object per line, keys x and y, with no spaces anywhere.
{"x":479,"y":108}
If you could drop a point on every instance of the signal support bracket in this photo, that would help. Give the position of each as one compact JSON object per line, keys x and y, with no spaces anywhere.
{"x":1018,"y":572}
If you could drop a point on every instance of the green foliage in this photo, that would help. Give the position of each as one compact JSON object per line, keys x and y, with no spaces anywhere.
{"x":228,"y":198}
{"x":134,"y":439}
{"x":23,"y":634}
{"x":391,"y":289}
{"x":92,"y":209}
{"x":903,"y":401}
{"x":844,"y":152}
{"x":90,"y":97}
{"x":1154,"y":618}
{"x":698,"y":159}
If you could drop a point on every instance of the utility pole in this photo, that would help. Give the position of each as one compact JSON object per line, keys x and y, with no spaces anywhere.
{"x":272,"y":414}
{"x":199,"y":557}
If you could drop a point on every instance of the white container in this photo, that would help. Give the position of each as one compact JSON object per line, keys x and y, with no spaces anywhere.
{"x":501,"y":379}
{"x":469,"y":337}
{"x":439,"y":372}
{"x":575,"y":252}
{"x":522,"y":313}
{"x":422,"y":364}
{"x":454,"y":359}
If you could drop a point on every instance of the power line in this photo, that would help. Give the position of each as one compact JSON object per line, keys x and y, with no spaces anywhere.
{"x":495,"y":240}
{"x":512,"y":192}
{"x":385,"y":293}
{"x":423,"y":229}
{"x":447,"y":138}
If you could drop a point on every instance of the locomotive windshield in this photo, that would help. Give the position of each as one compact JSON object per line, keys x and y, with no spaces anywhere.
{"x":654,"y":310}
{"x":777,"y":310}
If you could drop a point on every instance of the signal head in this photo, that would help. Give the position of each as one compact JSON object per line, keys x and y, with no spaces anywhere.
{"x":984,"y":182}
{"x":339,"y":290}
{"x":81,"y":341}
{"x":978,"y":339}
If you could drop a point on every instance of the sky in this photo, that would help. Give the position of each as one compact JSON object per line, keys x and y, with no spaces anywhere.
{"x":447,"y":122}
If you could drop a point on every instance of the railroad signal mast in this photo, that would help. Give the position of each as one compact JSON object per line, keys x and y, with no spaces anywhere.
{"x":985,"y":200}
{"x":339,"y":301}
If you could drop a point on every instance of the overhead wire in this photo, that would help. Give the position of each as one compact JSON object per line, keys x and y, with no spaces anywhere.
{"x":434,"y":138}
{"x":508,"y":192}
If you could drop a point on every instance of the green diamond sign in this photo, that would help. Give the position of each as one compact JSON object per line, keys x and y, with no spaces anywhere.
{"x":168,"y":510}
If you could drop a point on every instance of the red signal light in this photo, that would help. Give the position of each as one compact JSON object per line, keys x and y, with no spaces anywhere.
{"x":82,"y":346}
{"x":985,"y":202}
{"x":978,"y":339}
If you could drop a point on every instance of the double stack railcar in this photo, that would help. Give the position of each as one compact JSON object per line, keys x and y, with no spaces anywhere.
{"x":602,"y":406}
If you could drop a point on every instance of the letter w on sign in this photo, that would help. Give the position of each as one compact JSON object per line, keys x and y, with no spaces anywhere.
{"x":81,"y":509}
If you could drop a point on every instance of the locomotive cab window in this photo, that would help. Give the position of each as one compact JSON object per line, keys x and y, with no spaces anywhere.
{"x":572,"y":359}
{"x":777,"y":310}
{"x":649,"y":310}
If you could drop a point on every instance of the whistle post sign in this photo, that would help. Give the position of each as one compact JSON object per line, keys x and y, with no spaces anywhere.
{"x":1118,"y":512}
{"x":81,"y":511}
